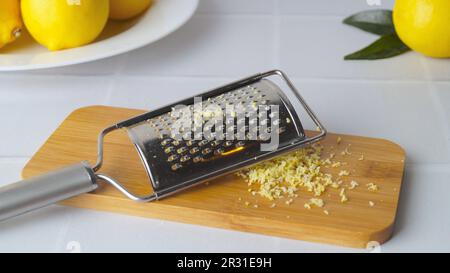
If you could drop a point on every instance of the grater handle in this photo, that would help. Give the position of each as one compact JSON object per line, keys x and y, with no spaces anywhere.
{"x":38,"y":192}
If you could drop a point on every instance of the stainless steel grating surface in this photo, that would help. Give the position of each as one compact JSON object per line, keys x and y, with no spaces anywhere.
{"x":177,"y":160}
{"x":228,"y":128}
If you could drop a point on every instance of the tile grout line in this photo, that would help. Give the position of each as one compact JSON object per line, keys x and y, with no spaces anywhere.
{"x":62,"y":234}
{"x":443,"y":167}
{"x":115,"y":75}
{"x":295,"y":78}
{"x":438,"y":106}
{"x":119,"y":71}
{"x":8,"y":159}
{"x":277,"y":35}
{"x":234,"y":77}
{"x":262,"y":14}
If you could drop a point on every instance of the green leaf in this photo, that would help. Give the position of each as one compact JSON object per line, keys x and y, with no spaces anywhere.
{"x":385,"y":47}
{"x":374,"y":21}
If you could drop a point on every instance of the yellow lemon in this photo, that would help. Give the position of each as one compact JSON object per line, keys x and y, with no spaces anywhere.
{"x":10,"y":21}
{"x":126,"y":9}
{"x":424,"y":25}
{"x":61,"y":24}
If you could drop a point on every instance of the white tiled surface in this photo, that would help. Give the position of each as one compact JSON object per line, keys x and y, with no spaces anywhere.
{"x":209,"y":45}
{"x":330,"y":7}
{"x":314,"y":47}
{"x":405,"y":99}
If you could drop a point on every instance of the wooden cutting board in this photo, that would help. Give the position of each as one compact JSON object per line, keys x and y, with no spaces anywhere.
{"x":221,"y":203}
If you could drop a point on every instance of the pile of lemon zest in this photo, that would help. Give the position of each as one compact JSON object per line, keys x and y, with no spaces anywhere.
{"x":372,"y":187}
{"x":284,"y":176}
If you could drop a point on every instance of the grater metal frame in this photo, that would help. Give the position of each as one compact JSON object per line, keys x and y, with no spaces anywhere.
{"x":217,"y":91}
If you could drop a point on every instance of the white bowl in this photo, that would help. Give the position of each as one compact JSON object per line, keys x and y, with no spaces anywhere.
{"x":164,"y":17}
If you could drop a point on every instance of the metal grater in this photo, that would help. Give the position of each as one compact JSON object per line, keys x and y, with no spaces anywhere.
{"x":198,"y":151}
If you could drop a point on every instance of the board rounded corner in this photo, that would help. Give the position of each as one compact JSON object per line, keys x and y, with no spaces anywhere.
{"x":381,"y":235}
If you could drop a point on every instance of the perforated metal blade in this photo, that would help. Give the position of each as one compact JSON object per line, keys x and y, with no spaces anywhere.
{"x":174,"y":163}
{"x":178,"y":159}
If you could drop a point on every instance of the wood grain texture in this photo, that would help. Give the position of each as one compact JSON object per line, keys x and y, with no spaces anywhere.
{"x":218,"y":203}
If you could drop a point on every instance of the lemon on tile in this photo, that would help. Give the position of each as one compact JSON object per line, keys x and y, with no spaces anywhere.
{"x":61,"y":24}
{"x":126,"y":9}
{"x":423,"y":25}
{"x":10,"y":21}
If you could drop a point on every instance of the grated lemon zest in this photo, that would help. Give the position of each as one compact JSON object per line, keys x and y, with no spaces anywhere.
{"x":353,"y":184}
{"x":285,"y":175}
{"x":372,"y":187}
{"x":317,"y":202}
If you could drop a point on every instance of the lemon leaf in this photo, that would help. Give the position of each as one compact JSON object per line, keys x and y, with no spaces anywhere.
{"x":385,"y":47}
{"x":374,"y":21}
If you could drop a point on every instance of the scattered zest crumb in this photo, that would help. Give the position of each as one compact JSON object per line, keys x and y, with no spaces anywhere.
{"x":273,"y":205}
{"x":371,"y":203}
{"x":343,"y":196}
{"x":372,"y":187}
{"x":353,"y":184}
{"x":316,"y":201}
{"x":240,"y":199}
{"x":338,"y":140}
{"x":326,"y":212}
{"x":361,"y":158}
{"x":247,"y":203}
{"x":336,"y":164}
{"x":255,"y":206}
{"x":346,"y":151}
{"x":344,"y":173}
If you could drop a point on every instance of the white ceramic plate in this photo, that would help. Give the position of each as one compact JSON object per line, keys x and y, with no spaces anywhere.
{"x":164,"y":17}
